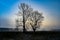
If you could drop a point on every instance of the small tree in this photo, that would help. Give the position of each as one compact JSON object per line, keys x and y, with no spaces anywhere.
{"x":36,"y":16}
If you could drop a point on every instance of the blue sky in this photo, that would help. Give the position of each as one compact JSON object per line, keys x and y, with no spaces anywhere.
{"x":49,"y":8}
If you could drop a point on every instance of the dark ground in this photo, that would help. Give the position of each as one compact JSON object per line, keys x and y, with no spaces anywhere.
{"x":43,"y":35}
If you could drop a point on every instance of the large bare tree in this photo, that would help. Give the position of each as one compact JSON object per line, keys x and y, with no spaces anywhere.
{"x":33,"y":17}
{"x":24,"y":11}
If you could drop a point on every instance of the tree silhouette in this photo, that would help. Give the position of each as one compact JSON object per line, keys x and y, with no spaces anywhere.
{"x":37,"y":17}
{"x":29,"y":15}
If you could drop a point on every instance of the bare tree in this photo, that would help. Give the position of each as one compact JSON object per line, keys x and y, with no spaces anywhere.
{"x":28,"y":13}
{"x":25,"y":10}
{"x":36,"y":16}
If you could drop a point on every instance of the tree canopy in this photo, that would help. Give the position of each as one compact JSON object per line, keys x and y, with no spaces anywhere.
{"x":31,"y":19}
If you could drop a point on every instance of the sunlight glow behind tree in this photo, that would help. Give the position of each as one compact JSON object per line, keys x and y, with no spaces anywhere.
{"x":31,"y":19}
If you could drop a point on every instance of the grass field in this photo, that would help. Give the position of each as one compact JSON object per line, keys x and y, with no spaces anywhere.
{"x":39,"y":35}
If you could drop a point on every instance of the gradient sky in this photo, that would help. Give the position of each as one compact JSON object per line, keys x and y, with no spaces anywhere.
{"x":49,"y":8}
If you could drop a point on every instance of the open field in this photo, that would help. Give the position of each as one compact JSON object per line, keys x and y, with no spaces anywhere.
{"x":42,"y":35}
